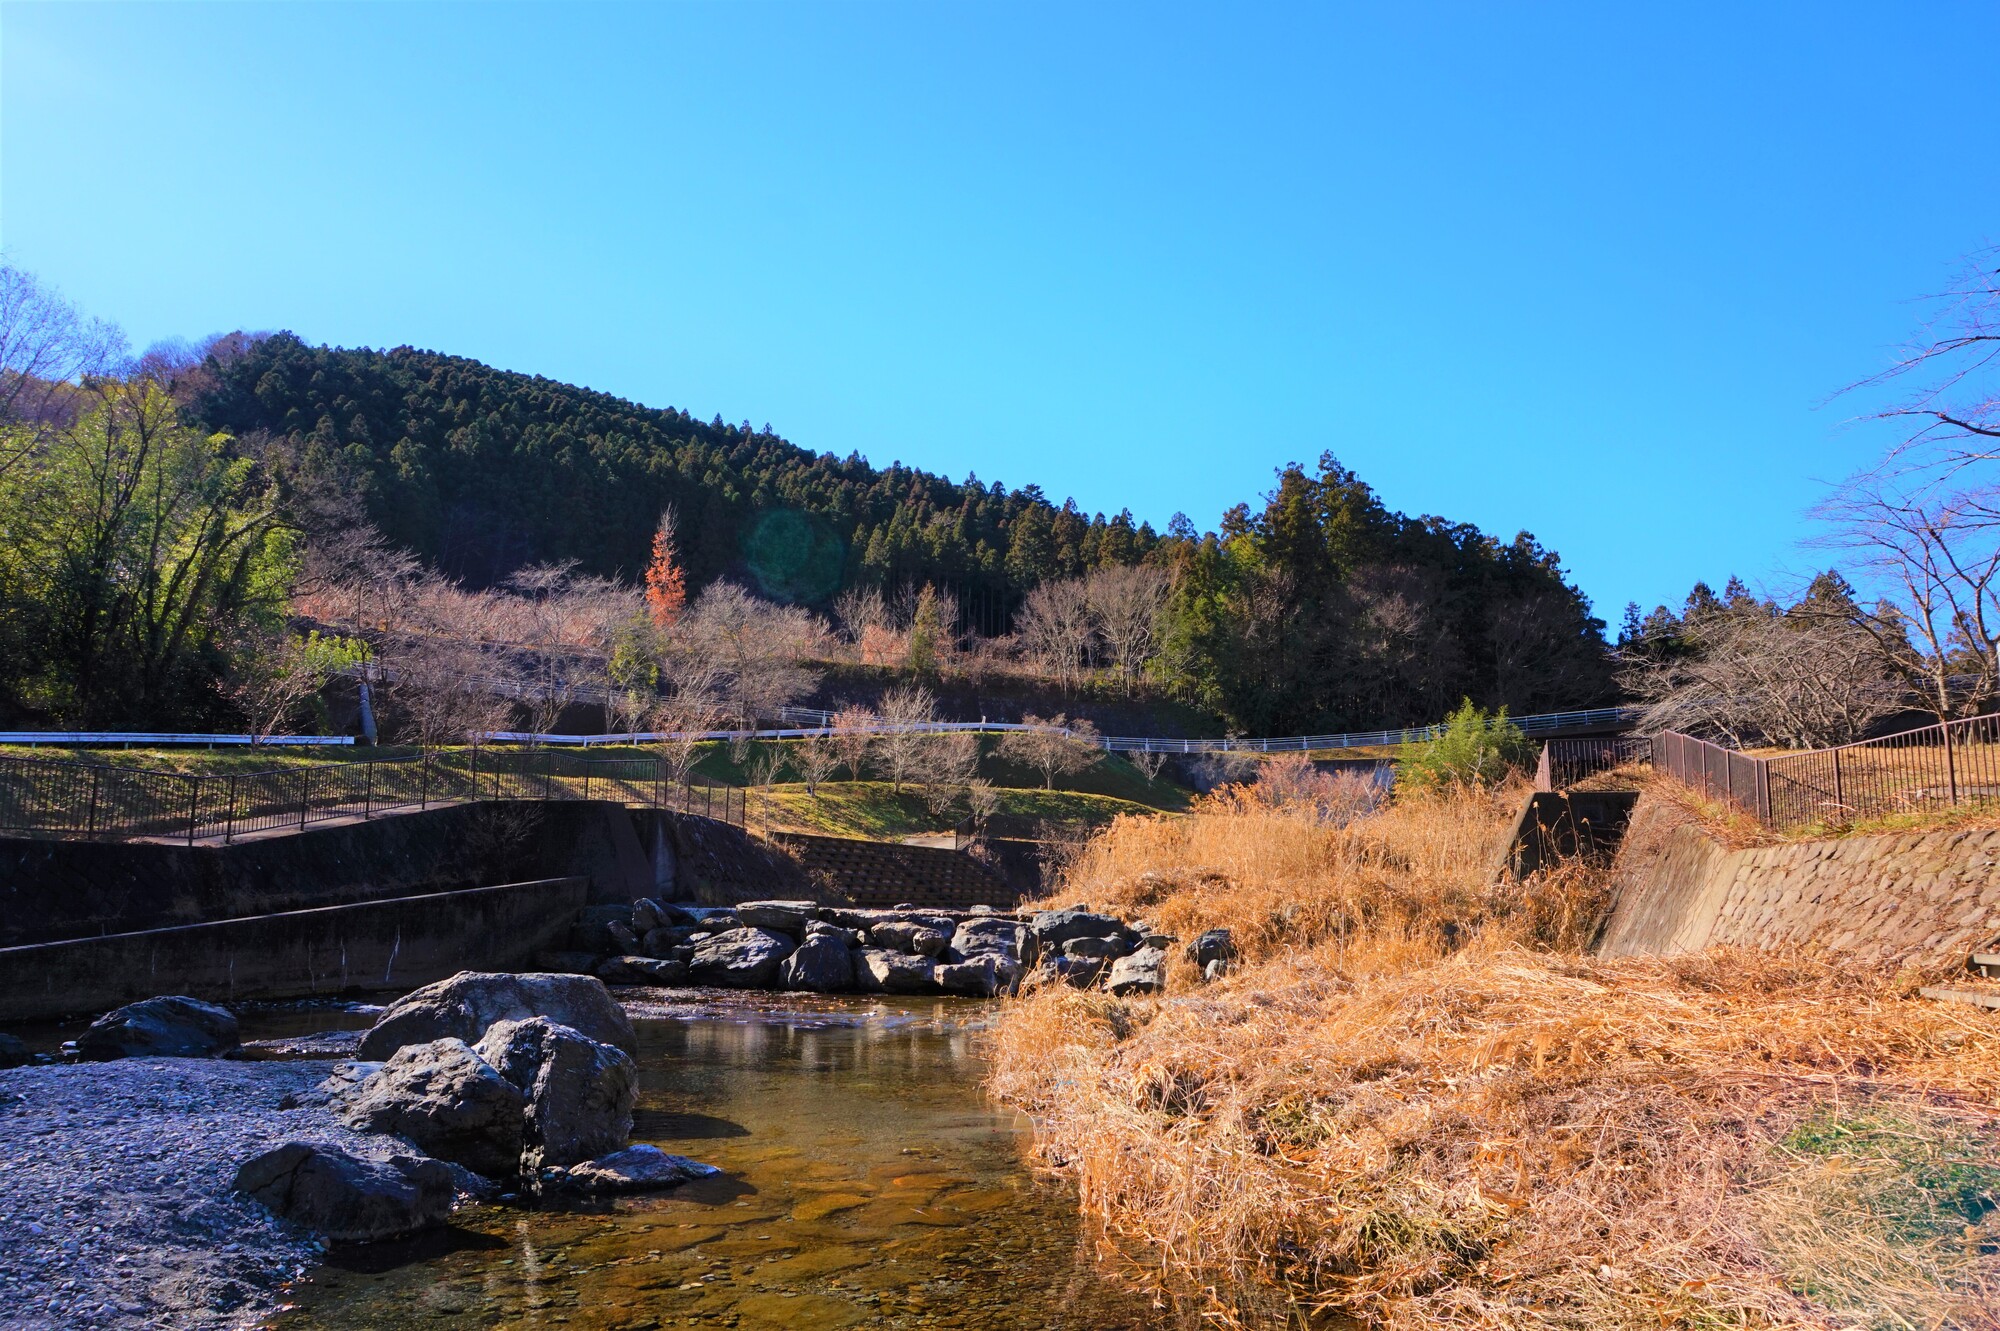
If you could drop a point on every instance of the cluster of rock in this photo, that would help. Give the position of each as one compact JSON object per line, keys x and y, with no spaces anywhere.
{"x":805,"y":945}
{"x":483,"y":1084}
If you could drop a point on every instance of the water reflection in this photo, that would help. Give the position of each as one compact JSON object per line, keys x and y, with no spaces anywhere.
{"x":867,"y":1180}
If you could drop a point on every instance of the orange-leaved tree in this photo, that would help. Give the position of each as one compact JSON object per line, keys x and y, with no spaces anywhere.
{"x":666,"y":585}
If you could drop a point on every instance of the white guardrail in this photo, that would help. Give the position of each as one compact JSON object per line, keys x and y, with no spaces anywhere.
{"x":72,"y":737}
{"x":810,"y":721}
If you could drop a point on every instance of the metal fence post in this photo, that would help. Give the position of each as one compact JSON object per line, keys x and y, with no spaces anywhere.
{"x":305,"y":796}
{"x":194,"y":805}
{"x":475,"y":771}
{"x":368,"y":792}
{"x":423,"y":781}
{"x":90,"y":815}
{"x":229,"y":813}
{"x":1950,"y":763}
{"x":1839,"y":791}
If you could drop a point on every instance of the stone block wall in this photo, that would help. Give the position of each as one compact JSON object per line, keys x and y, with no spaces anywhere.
{"x":1921,"y":898}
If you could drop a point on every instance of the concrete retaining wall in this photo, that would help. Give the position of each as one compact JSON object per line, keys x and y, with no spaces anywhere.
{"x":1918,"y":897}
{"x":880,"y":873}
{"x":53,"y":889}
{"x":391,"y":944}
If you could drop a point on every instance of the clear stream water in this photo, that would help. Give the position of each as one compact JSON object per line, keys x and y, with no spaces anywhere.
{"x":867,"y":1181}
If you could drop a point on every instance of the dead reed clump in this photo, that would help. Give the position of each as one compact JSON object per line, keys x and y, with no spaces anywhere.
{"x":1477,"y":1126}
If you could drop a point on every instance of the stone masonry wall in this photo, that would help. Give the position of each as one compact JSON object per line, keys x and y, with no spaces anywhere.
{"x":1916,"y":897}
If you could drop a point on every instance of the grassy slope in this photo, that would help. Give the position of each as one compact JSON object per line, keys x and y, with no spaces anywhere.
{"x":872,"y":809}
{"x":1419,"y":1102}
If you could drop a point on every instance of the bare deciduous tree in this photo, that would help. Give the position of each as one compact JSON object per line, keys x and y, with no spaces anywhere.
{"x":1057,"y":629}
{"x":689,"y":707}
{"x":1935,"y":552}
{"x":947,"y":763}
{"x":46,"y":345}
{"x":908,"y":713}
{"x":1756,"y":675}
{"x":762,"y":648}
{"x":1054,"y":747}
{"x":1126,"y":604}
{"x":815,"y":758}
{"x":278,"y":670}
{"x":854,"y":739}
{"x":442,"y":691}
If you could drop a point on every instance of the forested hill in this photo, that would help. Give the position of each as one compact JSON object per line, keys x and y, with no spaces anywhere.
{"x":1321,"y":610}
{"x":482,"y":470}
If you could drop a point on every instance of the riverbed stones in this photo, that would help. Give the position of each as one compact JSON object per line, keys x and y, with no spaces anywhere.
{"x":822,"y":964}
{"x":346,"y":1199}
{"x":638,"y":1168}
{"x":1143,"y":972}
{"x":667,"y":940}
{"x":880,"y":971}
{"x":741,"y":958}
{"x":1094,"y":947}
{"x":623,"y":936}
{"x":469,"y":1002}
{"x":579,"y":1091}
{"x":172,"y":1026}
{"x":447,"y":1101}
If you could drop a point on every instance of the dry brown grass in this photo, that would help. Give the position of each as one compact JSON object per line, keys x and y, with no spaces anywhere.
{"x":1418,"y":1104}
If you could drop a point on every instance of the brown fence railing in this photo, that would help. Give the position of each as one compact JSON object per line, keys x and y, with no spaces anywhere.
{"x":51,"y":797}
{"x":1565,"y":762}
{"x":1938,"y":766}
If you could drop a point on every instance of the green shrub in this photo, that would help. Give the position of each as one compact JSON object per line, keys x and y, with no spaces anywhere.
{"x":1477,"y":748}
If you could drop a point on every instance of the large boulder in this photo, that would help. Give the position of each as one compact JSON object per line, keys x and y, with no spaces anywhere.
{"x":470,"y":1001}
{"x":785,"y":917}
{"x":1095,"y":947}
{"x":591,"y":934}
{"x":975,"y":977}
{"x":822,"y":964}
{"x":739,"y":958}
{"x":580,"y":1092}
{"x":880,"y":971}
{"x":447,"y":1101}
{"x":917,"y":939}
{"x":1002,"y":938}
{"x":648,"y":915}
{"x":642,"y":970}
{"x":347,"y":1199}
{"x":635,"y":1169}
{"x":169,"y":1027}
{"x":667,"y":939}
{"x":1144,"y":972}
{"x":1053,"y":928}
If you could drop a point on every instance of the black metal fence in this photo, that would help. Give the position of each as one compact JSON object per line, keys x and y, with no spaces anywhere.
{"x":53,"y":797}
{"x":1567,"y":762}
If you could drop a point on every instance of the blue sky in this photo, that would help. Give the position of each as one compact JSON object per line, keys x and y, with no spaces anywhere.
{"x":1589,"y":271}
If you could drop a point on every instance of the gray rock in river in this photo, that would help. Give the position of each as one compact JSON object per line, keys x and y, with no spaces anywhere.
{"x":623,"y":936}
{"x":662,"y":941}
{"x":642,"y":970}
{"x":822,"y":964}
{"x":998,"y":937}
{"x":1144,"y":972}
{"x":879,"y":971}
{"x":173,"y":1026}
{"x":580,"y":1092}
{"x":470,"y":1001}
{"x":635,"y":1169}
{"x":446,"y":1100}
{"x":917,"y":939}
{"x":977,"y":977}
{"x":1078,"y":972}
{"x":13,"y":1053}
{"x":347,"y":1199}
{"x":739,"y":958}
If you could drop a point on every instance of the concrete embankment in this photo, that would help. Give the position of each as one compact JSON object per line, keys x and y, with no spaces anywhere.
{"x":401,"y":942}
{"x":1922,"y":898}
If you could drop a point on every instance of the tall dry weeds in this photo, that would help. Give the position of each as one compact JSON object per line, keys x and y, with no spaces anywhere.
{"x":1417,"y":1103}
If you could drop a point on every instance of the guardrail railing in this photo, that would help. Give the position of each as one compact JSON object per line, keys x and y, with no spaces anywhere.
{"x":52,"y":797}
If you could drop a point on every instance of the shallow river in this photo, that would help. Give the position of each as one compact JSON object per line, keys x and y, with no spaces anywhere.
{"x":867,"y":1180}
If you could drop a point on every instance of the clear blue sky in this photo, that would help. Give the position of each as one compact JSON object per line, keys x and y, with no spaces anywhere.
{"x":1588,"y":271}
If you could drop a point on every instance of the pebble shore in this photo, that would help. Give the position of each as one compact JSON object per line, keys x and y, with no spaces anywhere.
{"x":115,"y":1201}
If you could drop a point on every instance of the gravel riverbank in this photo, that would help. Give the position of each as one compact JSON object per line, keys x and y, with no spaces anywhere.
{"x":115,"y":1201}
